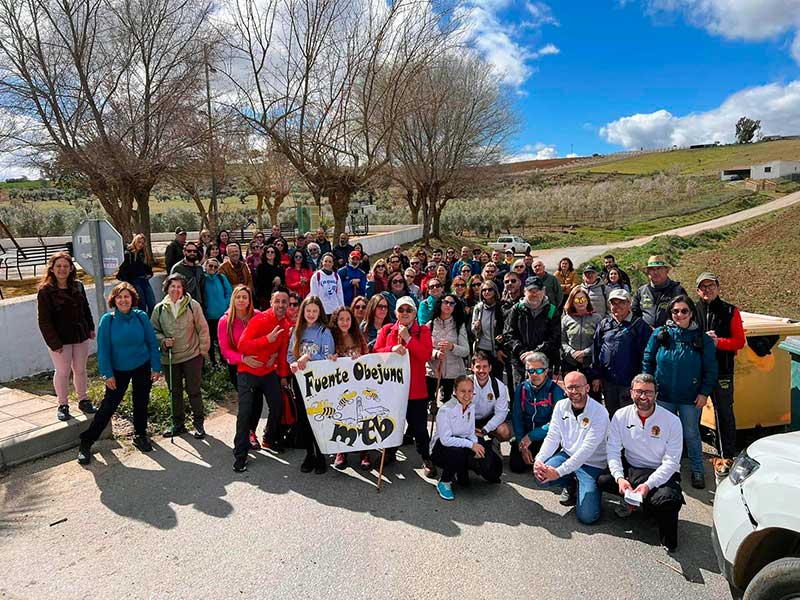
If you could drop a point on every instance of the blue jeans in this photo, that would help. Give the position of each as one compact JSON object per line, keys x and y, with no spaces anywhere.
{"x":587,"y":508}
{"x":689,"y":415}
{"x":147,"y":300}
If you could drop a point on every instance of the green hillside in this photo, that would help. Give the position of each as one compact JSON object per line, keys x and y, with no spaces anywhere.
{"x":703,"y":161}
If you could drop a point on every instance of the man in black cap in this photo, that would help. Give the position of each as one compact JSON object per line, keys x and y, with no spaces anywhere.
{"x":722,"y":322}
{"x":533,"y":325}
{"x":595,"y":289}
{"x":174,"y":251}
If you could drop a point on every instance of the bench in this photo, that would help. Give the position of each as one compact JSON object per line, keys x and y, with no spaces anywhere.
{"x":36,"y":256}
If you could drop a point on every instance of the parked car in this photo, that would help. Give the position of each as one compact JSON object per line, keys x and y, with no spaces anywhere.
{"x":756,"y":533}
{"x":513,"y":242}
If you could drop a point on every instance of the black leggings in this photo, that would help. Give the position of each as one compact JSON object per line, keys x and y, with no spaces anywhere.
{"x":417,"y":422}
{"x":304,"y":426}
{"x":456,"y":461}
{"x":212,"y":333}
{"x":140,"y":377}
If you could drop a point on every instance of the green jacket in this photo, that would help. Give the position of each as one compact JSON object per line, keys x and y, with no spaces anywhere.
{"x":189,"y":330}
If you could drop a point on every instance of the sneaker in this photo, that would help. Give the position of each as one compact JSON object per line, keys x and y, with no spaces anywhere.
{"x":174,"y":431}
{"x":240,"y":465}
{"x":199,"y":432}
{"x":321,"y":465}
{"x":142,"y":443}
{"x":445,"y":491}
{"x":366,"y":463}
{"x":254,"y":443}
{"x":429,"y":469}
{"x":85,"y":453}
{"x":63,"y":412}
{"x":698,"y":481}
{"x":722,"y":466}
{"x":273,"y":447}
{"x":87,"y":407}
{"x":569,"y":496}
{"x":340,"y":462}
{"x":308,"y":464}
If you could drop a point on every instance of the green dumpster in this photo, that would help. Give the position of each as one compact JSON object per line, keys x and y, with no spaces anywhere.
{"x":303,"y":219}
{"x":792,"y":346}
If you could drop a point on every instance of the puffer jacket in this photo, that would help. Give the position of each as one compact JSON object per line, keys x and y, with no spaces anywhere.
{"x":526,"y":330}
{"x":532,"y":408}
{"x":218,"y":296}
{"x":420,"y":348}
{"x":453,"y":365}
{"x":684,"y":363}
{"x":189,"y":330}
{"x":618,"y":349}
{"x":577,"y":333}
{"x":599,"y":297}
{"x":652,"y":303}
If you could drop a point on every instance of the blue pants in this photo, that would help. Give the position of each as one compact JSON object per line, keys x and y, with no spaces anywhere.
{"x":147,"y":300}
{"x":587,"y":508}
{"x":689,"y":415}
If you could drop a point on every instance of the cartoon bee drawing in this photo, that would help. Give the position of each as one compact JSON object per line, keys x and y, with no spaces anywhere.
{"x":323,"y":410}
{"x":346,"y":398}
{"x":371,"y":394}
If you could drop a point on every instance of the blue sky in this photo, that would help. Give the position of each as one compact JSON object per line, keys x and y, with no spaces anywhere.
{"x":605,"y":75}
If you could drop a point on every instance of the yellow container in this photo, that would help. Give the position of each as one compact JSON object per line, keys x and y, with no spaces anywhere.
{"x":762,"y":384}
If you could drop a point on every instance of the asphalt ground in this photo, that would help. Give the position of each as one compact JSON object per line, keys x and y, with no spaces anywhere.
{"x":179,"y":523}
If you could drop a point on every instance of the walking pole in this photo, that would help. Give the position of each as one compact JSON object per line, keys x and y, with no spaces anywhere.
{"x":434,"y":405}
{"x":380,"y":471}
{"x":171,"y":408}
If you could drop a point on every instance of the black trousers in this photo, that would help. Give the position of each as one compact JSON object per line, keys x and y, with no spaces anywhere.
{"x":457,"y":462}
{"x":417,"y":424}
{"x":251,"y":389}
{"x":445,"y":391}
{"x":303,"y":425}
{"x":140,"y":377}
{"x":615,"y":396}
{"x":663,"y":502}
{"x":258,"y":402}
{"x":212,"y":332}
{"x":515,"y":461}
{"x":722,"y":398}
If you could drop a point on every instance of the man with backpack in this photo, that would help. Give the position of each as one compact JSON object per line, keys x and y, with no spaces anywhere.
{"x":490,"y":401}
{"x":354,"y":280}
{"x":595,"y":289}
{"x":651,"y":301}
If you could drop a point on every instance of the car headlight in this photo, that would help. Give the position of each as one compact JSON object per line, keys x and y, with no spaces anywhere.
{"x":742,"y":468}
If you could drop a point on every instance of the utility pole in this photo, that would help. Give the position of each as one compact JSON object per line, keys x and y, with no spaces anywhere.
{"x":212,"y":155}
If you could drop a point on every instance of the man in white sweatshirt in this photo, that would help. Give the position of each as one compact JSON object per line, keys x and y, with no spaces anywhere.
{"x":649,"y":473}
{"x":579,"y":426}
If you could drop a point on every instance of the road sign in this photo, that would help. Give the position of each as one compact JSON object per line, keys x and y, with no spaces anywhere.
{"x":99,"y":250}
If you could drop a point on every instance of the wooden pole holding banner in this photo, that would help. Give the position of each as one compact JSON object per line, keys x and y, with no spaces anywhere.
{"x":380,"y":471}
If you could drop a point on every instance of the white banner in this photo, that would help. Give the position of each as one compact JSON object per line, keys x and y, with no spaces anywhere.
{"x":357,"y":404}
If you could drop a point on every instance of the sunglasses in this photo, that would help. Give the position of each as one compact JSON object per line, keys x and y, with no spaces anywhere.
{"x":382,"y":307}
{"x":395,"y":281}
{"x":360,"y":307}
{"x":448,"y":302}
{"x":294,"y":304}
{"x":257,"y":247}
{"x":405,"y":309}
{"x":680,"y":311}
{"x":475,"y":285}
{"x":537,"y":371}
{"x":414,"y":263}
{"x":270,"y":251}
{"x":510,"y":281}
{"x":487,"y":290}
{"x":435,"y":285}
{"x":580,"y":300}
{"x":212,"y":267}
{"x":459,"y":285}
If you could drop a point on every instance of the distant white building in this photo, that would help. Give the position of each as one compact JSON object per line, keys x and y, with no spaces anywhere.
{"x":775,"y":170}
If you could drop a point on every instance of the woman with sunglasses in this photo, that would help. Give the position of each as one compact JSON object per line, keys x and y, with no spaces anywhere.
{"x":473,"y":293}
{"x":255,"y":252}
{"x":410,"y":274}
{"x":459,"y":288}
{"x":269,"y":274}
{"x":216,"y":298}
{"x":359,"y":309}
{"x":376,"y":316}
{"x":684,"y":361}
{"x":435,"y":290}
{"x":397,"y":289}
{"x":377,"y":278}
{"x":298,"y":274}
{"x":487,"y":327}
{"x":450,"y":348}
{"x":531,"y":410}
{"x":578,"y":325}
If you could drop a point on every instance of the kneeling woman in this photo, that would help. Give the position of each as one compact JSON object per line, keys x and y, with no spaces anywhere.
{"x":455,"y":447}
{"x":127,"y":351}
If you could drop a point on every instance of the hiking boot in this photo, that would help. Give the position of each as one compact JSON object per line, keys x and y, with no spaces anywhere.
{"x":85,"y":453}
{"x":445,"y":491}
{"x":240,"y":464}
{"x":199,"y":432}
{"x":429,"y":469}
{"x":142,"y":443}
{"x":569,"y":495}
{"x":722,"y":467}
{"x":366,"y":463}
{"x":321,"y":465}
{"x":174,"y":431}
{"x":87,"y":407}
{"x":63,"y":412}
{"x":308,"y":464}
{"x":340,"y":462}
{"x":698,"y":481}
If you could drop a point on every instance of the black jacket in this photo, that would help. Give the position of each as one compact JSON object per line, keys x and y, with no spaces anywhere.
{"x":523,"y":332}
{"x":173,"y":254}
{"x":717,"y":317}
{"x":651,"y":304}
{"x":134,"y":266}
{"x":64,"y":315}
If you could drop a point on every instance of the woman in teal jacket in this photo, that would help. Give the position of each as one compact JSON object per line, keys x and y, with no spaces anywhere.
{"x":217,"y":297}
{"x":127,"y":351}
{"x":684,"y":362}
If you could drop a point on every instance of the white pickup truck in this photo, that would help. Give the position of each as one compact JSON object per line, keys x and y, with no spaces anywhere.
{"x":510,"y":242}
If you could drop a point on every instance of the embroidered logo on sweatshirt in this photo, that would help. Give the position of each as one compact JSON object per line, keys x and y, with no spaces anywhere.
{"x":585,"y":422}
{"x":655,"y":431}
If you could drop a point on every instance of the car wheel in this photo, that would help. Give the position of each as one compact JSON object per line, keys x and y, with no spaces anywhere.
{"x":513,"y":250}
{"x":779,"y":580}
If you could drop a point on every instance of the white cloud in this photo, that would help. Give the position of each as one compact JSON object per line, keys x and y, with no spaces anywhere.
{"x":751,"y":20}
{"x":776,"y":105}
{"x":548,"y":50}
{"x":538,"y":151}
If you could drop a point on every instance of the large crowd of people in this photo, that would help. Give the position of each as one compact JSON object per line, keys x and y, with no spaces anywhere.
{"x":596,"y":386}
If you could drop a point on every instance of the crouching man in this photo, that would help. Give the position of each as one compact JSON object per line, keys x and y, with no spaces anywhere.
{"x":652,"y":440}
{"x":579,"y":426}
{"x":490,"y":400}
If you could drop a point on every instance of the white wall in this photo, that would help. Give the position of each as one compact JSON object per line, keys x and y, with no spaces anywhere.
{"x":777,"y":168}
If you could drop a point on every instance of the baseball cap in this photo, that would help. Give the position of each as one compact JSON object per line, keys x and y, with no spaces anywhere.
{"x":179,"y":230}
{"x":619,"y":294}
{"x":657,"y":260}
{"x":706,"y":275}
{"x":509,"y":251}
{"x":405,"y":301}
{"x":590,"y":268}
{"x":534,"y":283}
{"x":355,"y":254}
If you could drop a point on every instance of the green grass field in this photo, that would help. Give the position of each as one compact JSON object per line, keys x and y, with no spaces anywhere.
{"x":706,"y":161}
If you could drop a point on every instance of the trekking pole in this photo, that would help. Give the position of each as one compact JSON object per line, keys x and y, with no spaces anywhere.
{"x":380,"y":471}
{"x":171,"y":407}
{"x":435,"y":400}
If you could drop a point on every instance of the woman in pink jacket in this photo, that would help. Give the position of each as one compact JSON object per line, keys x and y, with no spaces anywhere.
{"x":229,"y":329}
{"x":407,"y":336}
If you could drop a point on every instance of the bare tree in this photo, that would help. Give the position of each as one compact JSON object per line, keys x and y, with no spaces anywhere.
{"x":113,"y":86}
{"x":269,"y":175}
{"x":326,"y":79}
{"x":459,"y":119}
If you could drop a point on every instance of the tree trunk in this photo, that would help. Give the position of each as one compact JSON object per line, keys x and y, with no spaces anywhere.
{"x":340,"y":206}
{"x":143,"y":213}
{"x":204,"y":222}
{"x":413,"y":206}
{"x":260,"y":211}
{"x":423,"y":200}
{"x":273,"y":214}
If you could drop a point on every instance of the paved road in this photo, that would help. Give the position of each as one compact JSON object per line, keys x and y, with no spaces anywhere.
{"x":179,"y":523}
{"x":581,"y":254}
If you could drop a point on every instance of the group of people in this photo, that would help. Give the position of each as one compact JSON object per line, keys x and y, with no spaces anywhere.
{"x":596,"y":388}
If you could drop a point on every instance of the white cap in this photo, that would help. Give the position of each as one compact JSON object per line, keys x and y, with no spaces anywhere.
{"x":405,"y":301}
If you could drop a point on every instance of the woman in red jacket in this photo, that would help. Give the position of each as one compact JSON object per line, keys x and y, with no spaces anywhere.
{"x":298,"y":274}
{"x":405,"y":335}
